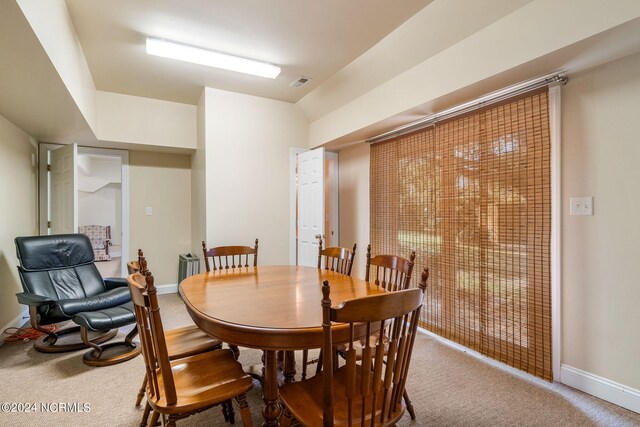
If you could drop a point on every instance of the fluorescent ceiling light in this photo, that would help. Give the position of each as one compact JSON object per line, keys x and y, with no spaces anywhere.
{"x":210,"y":58}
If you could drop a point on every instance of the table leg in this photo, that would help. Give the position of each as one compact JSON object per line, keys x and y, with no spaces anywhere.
{"x":271,"y":410}
{"x":280,"y":360}
{"x":289,"y":366}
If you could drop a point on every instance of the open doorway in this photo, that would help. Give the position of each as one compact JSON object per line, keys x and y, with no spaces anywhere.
{"x":98,"y":189}
{"x":100,"y":207}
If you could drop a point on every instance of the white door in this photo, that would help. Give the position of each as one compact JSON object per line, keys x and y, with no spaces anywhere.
{"x":64,"y":182}
{"x":310,"y":205}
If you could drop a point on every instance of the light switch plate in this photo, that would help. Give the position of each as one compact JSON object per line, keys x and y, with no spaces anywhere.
{"x":148,"y":210}
{"x":581,"y":206}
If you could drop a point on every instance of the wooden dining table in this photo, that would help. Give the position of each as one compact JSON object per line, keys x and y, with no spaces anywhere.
{"x":270,"y":308}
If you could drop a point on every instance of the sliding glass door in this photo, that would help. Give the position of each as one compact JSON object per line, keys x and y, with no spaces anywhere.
{"x":472,"y":197}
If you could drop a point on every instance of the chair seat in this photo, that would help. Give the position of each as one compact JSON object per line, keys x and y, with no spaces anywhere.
{"x":108,"y":318}
{"x":189,"y":340}
{"x":203,"y":380}
{"x":304,"y":400}
{"x":104,"y":300}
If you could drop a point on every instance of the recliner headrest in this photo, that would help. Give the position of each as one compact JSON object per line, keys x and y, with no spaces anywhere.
{"x":52,"y":252}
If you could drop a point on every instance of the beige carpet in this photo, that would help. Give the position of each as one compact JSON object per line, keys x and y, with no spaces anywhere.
{"x":448,"y":388}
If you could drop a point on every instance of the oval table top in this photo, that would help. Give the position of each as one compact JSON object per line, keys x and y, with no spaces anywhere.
{"x":268,"y":307}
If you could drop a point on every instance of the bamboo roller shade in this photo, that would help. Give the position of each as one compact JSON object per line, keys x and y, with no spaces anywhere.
{"x":472,"y":197}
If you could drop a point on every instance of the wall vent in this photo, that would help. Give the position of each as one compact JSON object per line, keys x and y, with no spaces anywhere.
{"x":300,"y":81}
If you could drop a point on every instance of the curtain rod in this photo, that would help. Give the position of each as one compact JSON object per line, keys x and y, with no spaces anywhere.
{"x":483,"y":101}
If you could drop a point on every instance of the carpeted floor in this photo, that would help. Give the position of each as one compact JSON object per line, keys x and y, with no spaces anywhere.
{"x":448,"y":388}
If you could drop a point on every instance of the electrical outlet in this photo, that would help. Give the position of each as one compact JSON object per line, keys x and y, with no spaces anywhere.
{"x":581,"y":206}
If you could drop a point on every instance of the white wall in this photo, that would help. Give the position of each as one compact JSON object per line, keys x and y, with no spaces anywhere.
{"x":354,"y":203}
{"x":199,"y":183}
{"x":144,"y":121}
{"x":247,"y":171}
{"x":102,"y":167}
{"x":52,"y":25}
{"x":18,"y":216}
{"x":433,"y":29}
{"x":112,"y":117}
{"x":160,"y":181}
{"x":600,"y":279}
{"x":521,"y":45}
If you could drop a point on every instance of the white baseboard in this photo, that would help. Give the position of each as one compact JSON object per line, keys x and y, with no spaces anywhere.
{"x":167,"y":289}
{"x":603,"y":388}
{"x":17,"y":321}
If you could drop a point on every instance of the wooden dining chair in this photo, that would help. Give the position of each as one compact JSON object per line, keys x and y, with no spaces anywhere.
{"x":181,"y":342}
{"x":225,"y":257}
{"x":334,"y":259}
{"x":392,"y":272}
{"x":182,"y":387}
{"x":368,"y":392}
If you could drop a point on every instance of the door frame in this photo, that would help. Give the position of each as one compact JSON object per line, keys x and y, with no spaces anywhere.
{"x":333,"y":186}
{"x":293,"y":199}
{"x":555,"y":130}
{"x":43,"y":186}
{"x":43,"y":193}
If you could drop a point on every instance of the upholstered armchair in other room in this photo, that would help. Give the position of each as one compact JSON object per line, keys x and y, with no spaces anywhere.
{"x":61,"y":283}
{"x":100,"y":236}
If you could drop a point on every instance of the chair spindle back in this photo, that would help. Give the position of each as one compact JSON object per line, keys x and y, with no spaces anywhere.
{"x":336,"y":258}
{"x":225,"y":257}
{"x":392,"y":272}
{"x":374,"y":387}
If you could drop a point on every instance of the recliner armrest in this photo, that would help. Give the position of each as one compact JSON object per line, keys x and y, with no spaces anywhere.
{"x":115,"y":282}
{"x":33,"y":299}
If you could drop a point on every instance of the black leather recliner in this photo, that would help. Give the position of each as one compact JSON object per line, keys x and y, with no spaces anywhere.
{"x":61,"y":283}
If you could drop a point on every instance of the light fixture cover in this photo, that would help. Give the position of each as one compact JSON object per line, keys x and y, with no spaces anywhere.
{"x":210,"y":58}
